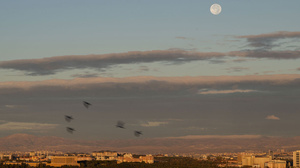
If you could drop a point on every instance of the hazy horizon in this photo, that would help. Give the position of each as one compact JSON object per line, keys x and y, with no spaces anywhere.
{"x":166,"y":68}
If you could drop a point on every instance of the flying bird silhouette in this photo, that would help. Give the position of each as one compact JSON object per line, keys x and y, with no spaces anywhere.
{"x":120,"y":124}
{"x":68,"y":118}
{"x":138,"y":133}
{"x":86,"y":104}
{"x":70,"y":130}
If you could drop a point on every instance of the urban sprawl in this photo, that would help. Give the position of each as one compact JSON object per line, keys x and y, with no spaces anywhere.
{"x":269,"y":159}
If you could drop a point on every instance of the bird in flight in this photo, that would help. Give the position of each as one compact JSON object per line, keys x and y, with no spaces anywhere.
{"x":120,"y":124}
{"x":70,"y":130}
{"x":68,"y":118}
{"x":86,"y":104}
{"x":138,"y":133}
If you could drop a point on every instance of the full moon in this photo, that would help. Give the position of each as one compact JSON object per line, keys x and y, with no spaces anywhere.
{"x":215,"y":9}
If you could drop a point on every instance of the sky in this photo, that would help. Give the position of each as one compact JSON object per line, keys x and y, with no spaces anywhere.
{"x":167,"y":68}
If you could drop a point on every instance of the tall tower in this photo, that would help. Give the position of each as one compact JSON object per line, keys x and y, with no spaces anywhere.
{"x":296,"y":158}
{"x":271,"y":153}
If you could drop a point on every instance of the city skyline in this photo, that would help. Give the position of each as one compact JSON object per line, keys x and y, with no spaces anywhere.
{"x":168,"y":69}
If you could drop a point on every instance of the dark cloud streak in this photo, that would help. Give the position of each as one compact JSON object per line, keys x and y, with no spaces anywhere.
{"x":266,"y":54}
{"x":85,"y":75}
{"x":267,"y":41}
{"x":237,"y":69}
{"x":52,"y":65}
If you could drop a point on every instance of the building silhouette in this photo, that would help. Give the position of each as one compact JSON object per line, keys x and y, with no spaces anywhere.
{"x":296,"y":158}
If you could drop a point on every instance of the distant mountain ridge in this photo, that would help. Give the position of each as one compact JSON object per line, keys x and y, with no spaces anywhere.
{"x":187,"y":144}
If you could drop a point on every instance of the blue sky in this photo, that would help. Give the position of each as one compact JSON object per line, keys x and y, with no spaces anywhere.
{"x":51,"y":28}
{"x":173,"y":54}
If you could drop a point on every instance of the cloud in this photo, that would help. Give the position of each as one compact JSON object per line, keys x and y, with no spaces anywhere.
{"x":52,"y":65}
{"x":266,"y":54}
{"x":298,"y":69}
{"x":25,"y":126}
{"x":14,"y":106}
{"x":154,"y":124}
{"x":237,"y":69}
{"x":240,"y":60}
{"x":225,"y":91}
{"x":143,"y":68}
{"x":266,"y":41}
{"x":217,"y":61}
{"x":151,"y":85}
{"x":272,"y":117}
{"x":10,"y":106}
{"x":85,"y":75}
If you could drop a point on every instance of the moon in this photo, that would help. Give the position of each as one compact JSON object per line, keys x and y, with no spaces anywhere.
{"x":215,"y":9}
